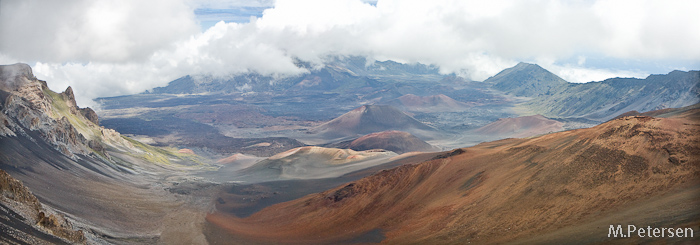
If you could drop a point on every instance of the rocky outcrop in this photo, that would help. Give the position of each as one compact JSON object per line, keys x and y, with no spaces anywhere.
{"x":69,"y":97}
{"x":6,"y":126}
{"x":12,"y":77}
{"x":13,"y":189}
{"x":30,"y":105}
{"x":89,"y":114}
{"x":16,"y":197}
{"x":60,"y":133}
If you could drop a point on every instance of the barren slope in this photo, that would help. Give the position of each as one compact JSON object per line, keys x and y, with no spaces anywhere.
{"x":113,"y":188}
{"x":521,"y":127}
{"x":369,"y":119}
{"x":23,"y":220}
{"x":396,"y":141}
{"x":508,"y":190}
{"x":311,"y":162}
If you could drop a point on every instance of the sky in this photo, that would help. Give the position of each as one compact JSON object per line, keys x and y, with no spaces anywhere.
{"x":115,"y":47}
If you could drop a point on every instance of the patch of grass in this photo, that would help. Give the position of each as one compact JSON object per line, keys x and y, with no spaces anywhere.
{"x":150,"y":153}
{"x":92,"y":132}
{"x":61,"y":109}
{"x":162,"y":155}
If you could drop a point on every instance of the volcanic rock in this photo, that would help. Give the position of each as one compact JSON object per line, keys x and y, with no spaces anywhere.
{"x":30,"y":215}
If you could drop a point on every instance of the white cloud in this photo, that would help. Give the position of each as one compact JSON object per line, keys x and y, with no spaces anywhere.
{"x":580,"y":74}
{"x":92,"y":80}
{"x":107,"y":48}
{"x":649,"y":29}
{"x":228,"y":4}
{"x":89,"y":31}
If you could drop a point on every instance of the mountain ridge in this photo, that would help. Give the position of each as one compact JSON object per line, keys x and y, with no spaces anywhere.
{"x":336,"y":73}
{"x":606,"y":99}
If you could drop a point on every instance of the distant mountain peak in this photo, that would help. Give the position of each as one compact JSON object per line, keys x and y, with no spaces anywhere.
{"x":526,"y":79}
{"x":525,"y":64}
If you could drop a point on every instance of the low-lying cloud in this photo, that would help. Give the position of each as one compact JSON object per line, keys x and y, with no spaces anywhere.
{"x":107,"y":48}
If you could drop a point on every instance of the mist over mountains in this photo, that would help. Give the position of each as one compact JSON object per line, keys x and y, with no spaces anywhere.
{"x":349,"y":122}
{"x":316,"y":108}
{"x":355,"y":80}
{"x":337,"y":74}
{"x":350,"y":152}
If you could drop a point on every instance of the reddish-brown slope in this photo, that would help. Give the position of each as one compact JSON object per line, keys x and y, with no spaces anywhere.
{"x":369,"y":119}
{"x":520,"y":127}
{"x":688,"y":112}
{"x":396,"y":141}
{"x":506,"y":190}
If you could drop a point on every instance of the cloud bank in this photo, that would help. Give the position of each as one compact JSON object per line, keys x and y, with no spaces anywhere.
{"x":107,"y":48}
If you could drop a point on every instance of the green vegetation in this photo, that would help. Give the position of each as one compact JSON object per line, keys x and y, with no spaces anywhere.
{"x":161,"y":155}
{"x":61,"y":109}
